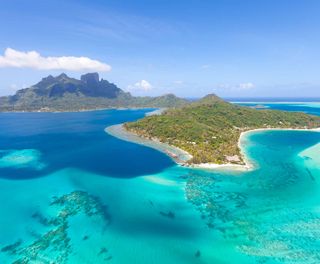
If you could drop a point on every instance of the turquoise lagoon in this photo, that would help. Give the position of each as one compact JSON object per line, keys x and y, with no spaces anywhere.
{"x":70,"y":193}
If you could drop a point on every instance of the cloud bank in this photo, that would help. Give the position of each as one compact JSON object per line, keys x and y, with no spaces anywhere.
{"x":32,"y":59}
{"x":246,"y":86}
{"x":142,"y":85}
{"x":237,"y":87}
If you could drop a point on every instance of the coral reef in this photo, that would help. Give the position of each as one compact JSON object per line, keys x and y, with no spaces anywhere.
{"x":290,"y":237}
{"x":54,"y":246}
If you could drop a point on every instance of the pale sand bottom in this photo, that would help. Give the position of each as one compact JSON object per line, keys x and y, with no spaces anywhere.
{"x":181,"y":157}
{"x":311,"y":154}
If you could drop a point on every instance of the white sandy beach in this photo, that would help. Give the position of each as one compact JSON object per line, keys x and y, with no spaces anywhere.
{"x":182,"y":157}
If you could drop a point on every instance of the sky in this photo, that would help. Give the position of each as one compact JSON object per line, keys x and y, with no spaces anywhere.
{"x":234,"y":48}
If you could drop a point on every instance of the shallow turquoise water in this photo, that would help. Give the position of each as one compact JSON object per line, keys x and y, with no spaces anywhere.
{"x":72,"y":194}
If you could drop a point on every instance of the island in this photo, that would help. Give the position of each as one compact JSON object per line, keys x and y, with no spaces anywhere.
{"x":63,"y":93}
{"x":209,"y":129}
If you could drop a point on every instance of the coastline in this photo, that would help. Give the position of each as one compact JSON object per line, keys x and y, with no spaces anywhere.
{"x":157,"y":111}
{"x":248,"y":164}
{"x":160,"y":109}
{"x":182,"y":157}
{"x":178,"y":155}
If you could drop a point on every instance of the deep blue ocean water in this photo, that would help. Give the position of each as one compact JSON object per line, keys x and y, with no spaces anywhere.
{"x":70,"y":193}
{"x":78,"y":140}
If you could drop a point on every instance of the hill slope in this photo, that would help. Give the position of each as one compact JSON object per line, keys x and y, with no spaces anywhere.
{"x":63,"y":93}
{"x":209,"y":129}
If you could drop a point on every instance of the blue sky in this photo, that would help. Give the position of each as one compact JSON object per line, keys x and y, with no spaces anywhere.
{"x":234,"y":48}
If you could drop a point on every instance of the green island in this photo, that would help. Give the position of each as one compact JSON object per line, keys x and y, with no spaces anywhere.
{"x":209,"y":129}
{"x":63,"y":93}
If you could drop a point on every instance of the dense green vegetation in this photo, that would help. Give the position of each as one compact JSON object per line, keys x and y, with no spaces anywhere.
{"x":210,"y":128}
{"x":63,"y":93}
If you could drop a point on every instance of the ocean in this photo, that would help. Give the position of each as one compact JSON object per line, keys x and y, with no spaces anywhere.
{"x":71,"y":193}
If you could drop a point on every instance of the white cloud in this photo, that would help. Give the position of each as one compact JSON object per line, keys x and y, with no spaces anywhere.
{"x":205,"y":66}
{"x":13,"y":87}
{"x":142,"y":85}
{"x":32,"y":59}
{"x":237,"y":87}
{"x":246,"y":86}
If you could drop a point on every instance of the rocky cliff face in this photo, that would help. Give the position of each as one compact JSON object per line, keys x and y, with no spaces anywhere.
{"x":90,"y":78}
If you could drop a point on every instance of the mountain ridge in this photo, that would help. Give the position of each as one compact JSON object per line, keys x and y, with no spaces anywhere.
{"x":63,"y":93}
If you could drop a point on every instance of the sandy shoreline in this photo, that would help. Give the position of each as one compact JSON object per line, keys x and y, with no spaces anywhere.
{"x":158,"y":111}
{"x":178,"y":155}
{"x":248,"y":164}
{"x":181,"y":157}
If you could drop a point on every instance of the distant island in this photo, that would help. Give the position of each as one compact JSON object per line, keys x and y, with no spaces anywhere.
{"x":63,"y":93}
{"x":209,"y":129}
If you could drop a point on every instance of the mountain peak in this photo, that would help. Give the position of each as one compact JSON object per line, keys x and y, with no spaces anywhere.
{"x":62,"y":75}
{"x":64,"y":93}
{"x":48,"y":78}
{"x":210,"y":98}
{"x":169,"y":95}
{"x":90,"y":78}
